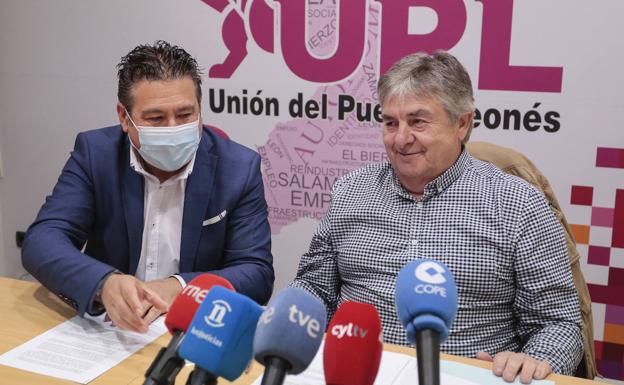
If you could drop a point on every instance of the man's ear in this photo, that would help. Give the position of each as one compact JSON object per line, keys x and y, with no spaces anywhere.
{"x":464,"y":124}
{"x":123,"y":117}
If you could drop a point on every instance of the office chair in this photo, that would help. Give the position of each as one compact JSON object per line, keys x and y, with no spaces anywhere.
{"x":515,"y":163}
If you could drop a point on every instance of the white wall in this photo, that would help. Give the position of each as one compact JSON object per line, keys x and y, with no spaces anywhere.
{"x":3,"y":260}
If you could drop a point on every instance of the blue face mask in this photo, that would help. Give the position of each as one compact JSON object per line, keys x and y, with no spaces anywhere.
{"x":168,"y":148}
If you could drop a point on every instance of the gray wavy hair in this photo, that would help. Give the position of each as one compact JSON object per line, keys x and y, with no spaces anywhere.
{"x":439,"y":75}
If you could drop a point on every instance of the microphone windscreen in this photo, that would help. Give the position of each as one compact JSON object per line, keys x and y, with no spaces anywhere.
{"x":186,"y":303}
{"x":220,"y":336}
{"x":290,"y":328}
{"x":353,"y":345}
{"x":426,"y":297}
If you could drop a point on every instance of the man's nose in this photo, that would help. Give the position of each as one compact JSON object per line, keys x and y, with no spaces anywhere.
{"x":404,"y":135}
{"x":172,"y":121}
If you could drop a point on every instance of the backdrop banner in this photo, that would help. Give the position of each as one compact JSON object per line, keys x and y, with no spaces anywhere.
{"x":296,"y":80}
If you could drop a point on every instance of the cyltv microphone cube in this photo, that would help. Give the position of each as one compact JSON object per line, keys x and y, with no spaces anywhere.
{"x":353,"y":345}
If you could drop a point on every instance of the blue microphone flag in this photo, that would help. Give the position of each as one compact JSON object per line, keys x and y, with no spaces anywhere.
{"x":426,"y":297}
{"x":291,"y":328}
{"x":220,"y":336}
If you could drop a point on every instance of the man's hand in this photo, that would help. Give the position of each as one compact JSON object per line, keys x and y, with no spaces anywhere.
{"x":127,"y":301}
{"x":167,"y":289}
{"x":509,"y":364}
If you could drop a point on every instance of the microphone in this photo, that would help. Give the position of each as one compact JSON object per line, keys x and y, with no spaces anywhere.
{"x":220,"y":337}
{"x":353,"y":345}
{"x":426,"y":301}
{"x":166,"y":365}
{"x":289,"y":334}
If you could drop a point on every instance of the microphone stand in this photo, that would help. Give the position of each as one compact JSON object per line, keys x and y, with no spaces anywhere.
{"x":275,"y":371}
{"x":428,"y":356}
{"x":201,"y":377}
{"x":167,"y":364}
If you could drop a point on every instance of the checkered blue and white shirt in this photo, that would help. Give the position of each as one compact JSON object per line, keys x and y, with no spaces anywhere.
{"x":495,"y":232}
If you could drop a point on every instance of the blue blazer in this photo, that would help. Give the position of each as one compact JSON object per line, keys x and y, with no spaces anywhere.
{"x":98,"y":200}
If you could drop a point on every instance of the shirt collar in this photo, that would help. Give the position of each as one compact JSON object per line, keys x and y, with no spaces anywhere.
{"x":440,"y":183}
{"x":137,"y":165}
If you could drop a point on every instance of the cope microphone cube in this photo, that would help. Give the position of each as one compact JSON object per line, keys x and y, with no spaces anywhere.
{"x":290,"y":328}
{"x":353,"y":345}
{"x":220,"y":336}
{"x":186,"y":303}
{"x":426,"y":297}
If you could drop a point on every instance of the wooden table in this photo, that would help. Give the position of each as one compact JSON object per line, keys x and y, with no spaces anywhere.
{"x":28,"y":309}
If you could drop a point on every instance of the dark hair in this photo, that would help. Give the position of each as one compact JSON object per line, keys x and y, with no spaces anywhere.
{"x":161,"y":61}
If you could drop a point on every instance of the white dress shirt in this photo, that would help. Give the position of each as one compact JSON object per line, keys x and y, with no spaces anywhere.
{"x":162,"y":223}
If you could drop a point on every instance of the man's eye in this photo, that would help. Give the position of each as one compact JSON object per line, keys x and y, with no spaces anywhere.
{"x":417,"y":122}
{"x":390,"y":124}
{"x":153,"y":119}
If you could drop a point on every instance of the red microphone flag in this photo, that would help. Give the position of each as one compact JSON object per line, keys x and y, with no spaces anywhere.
{"x":353,"y":345}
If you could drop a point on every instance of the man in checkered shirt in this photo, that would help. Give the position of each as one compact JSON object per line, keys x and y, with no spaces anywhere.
{"x":518,"y":305}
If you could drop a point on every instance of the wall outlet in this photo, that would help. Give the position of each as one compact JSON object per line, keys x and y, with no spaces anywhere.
{"x":19,"y":238}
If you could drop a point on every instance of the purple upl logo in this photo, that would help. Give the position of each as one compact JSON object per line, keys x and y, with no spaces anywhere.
{"x":268,"y":23}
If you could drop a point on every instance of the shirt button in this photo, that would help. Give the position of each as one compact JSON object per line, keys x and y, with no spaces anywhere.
{"x":414,"y":242}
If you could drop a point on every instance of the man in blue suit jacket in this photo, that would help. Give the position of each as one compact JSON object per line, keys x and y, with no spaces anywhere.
{"x":159,"y":197}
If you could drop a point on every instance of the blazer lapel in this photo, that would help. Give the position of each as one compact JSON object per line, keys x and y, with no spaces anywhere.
{"x":196,"y":198}
{"x":133,"y":201}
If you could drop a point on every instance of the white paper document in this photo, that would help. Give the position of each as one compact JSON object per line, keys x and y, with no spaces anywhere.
{"x":400,"y":369}
{"x":80,"y":349}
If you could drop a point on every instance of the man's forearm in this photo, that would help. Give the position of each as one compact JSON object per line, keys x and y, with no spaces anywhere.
{"x":559,"y":344}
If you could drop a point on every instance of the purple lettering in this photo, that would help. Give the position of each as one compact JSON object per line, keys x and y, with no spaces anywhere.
{"x":351,"y":42}
{"x":495,"y":73}
{"x":395,"y":40}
